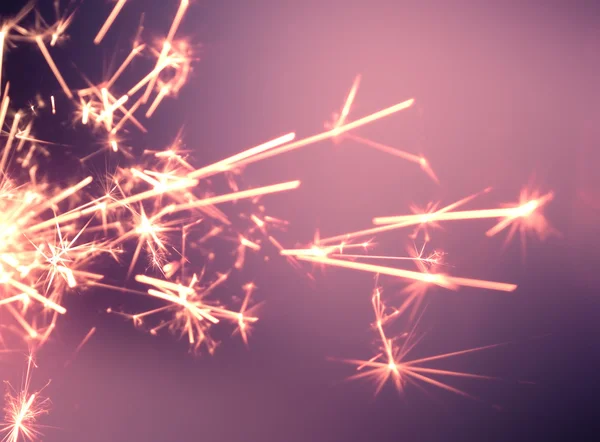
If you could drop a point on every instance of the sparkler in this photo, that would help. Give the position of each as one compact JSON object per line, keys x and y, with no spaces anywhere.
{"x":50,"y":237}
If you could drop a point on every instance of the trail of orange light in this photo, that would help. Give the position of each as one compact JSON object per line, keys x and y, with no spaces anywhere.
{"x":16,"y":298}
{"x":127,"y":116}
{"x":325,"y":251}
{"x":244,"y":194}
{"x":31,"y":332}
{"x":85,"y":339}
{"x":527,"y":212}
{"x":134,"y":52}
{"x":125,"y":111}
{"x":55,"y":200}
{"x":108,"y":111}
{"x":9,"y":142}
{"x":109,"y":21}
{"x":2,"y":35}
{"x":35,"y":295}
{"x":387,"y":149}
{"x":53,"y":67}
{"x":4,"y":107}
{"x":167,"y":43}
{"x":106,"y":106}
{"x":159,"y":97}
{"x":382,"y":257}
{"x":438,"y":279}
{"x":365,"y":232}
{"x":418,"y":159}
{"x":411,"y":220}
{"x":78,"y":213}
{"x":227,"y":163}
{"x":523,"y":210}
{"x":157,"y":70}
{"x":85,"y":112}
{"x":330,"y":133}
{"x":22,"y":136}
{"x":348,"y":104}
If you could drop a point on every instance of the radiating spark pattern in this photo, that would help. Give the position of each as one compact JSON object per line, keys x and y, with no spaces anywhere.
{"x":391,"y":363}
{"x":23,"y":409}
{"x":160,"y":211}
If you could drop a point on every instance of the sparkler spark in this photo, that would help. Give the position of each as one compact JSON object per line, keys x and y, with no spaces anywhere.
{"x":159,"y":206}
{"x":391,"y":363}
{"x":22,"y":410}
{"x":109,"y":21}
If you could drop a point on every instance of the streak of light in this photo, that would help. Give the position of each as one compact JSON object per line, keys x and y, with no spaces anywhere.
{"x":109,"y":21}
{"x":183,"y":5}
{"x":330,"y":133}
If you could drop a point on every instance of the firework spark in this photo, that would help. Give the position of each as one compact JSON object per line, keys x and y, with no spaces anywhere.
{"x":392,"y":363}
{"x":23,"y":409}
{"x":109,"y":21}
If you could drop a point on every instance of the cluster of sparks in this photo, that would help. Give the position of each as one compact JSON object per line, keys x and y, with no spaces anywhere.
{"x":162,"y":208}
{"x":23,"y":408}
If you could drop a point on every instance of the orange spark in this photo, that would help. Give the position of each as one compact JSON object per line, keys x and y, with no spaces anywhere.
{"x":2,"y":36}
{"x":183,"y":5}
{"x":134,"y":52}
{"x":164,"y":91}
{"x":109,"y":21}
{"x":53,"y":67}
{"x":23,"y":409}
{"x":442,"y":280}
{"x":330,"y":133}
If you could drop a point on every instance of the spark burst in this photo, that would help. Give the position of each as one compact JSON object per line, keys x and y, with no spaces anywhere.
{"x":392,"y":364}
{"x":23,"y":408}
{"x":161,"y":207}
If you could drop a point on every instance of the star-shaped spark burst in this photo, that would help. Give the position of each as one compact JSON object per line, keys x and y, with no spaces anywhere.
{"x":22,"y":410}
{"x":392,"y":363}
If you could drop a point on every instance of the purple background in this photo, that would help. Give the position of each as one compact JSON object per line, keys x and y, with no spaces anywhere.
{"x":504,"y":93}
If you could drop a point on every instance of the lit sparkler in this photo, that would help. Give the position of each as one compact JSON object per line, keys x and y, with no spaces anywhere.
{"x":50,"y":236}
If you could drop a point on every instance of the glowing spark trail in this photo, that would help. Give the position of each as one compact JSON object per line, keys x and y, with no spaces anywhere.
{"x":2,"y":37}
{"x":521,"y":211}
{"x":134,"y":52}
{"x":330,"y":133}
{"x":109,"y":21}
{"x":53,"y":67}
